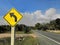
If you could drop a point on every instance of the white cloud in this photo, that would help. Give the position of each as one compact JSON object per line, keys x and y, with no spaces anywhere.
{"x":50,"y":12}
{"x":37,"y":16}
{"x":3,"y":22}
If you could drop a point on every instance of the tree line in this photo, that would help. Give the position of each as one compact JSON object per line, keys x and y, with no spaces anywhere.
{"x":18,"y":27}
{"x":53,"y":25}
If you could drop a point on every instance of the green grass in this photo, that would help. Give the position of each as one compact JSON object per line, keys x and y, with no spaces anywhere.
{"x":26,"y":41}
{"x":5,"y":41}
{"x":20,"y":32}
{"x":30,"y":41}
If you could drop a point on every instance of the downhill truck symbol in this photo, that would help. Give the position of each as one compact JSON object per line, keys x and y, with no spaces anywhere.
{"x":12,"y":15}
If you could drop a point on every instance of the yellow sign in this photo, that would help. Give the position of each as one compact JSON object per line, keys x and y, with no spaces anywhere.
{"x":12,"y":17}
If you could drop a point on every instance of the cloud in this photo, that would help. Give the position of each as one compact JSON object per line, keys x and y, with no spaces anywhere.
{"x":3,"y":22}
{"x":50,"y":12}
{"x":37,"y":16}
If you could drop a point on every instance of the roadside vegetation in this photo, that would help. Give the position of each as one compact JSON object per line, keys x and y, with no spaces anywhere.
{"x":22,"y":28}
{"x":27,"y":41}
{"x":52,"y":25}
{"x":54,"y":31}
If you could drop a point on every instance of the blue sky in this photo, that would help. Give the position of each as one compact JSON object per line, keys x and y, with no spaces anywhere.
{"x":33,"y":11}
{"x":28,"y":5}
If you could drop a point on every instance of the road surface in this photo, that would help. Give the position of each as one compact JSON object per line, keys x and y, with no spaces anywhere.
{"x":48,"y":38}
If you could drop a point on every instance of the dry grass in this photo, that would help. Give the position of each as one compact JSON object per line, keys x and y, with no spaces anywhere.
{"x":55,"y":31}
{"x":5,"y":35}
{"x":33,"y":35}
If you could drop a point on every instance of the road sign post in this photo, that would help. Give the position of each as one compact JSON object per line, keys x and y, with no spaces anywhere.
{"x":12,"y":35}
{"x":12,"y":17}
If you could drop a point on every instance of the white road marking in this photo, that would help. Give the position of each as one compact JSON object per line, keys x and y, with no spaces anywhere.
{"x":51,"y":39}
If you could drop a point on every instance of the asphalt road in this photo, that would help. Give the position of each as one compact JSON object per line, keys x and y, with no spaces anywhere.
{"x":48,"y":38}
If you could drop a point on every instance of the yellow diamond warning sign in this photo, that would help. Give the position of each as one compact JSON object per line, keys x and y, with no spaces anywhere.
{"x":13,"y":16}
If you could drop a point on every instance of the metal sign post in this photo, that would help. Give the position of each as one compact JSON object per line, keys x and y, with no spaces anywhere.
{"x":12,"y":35}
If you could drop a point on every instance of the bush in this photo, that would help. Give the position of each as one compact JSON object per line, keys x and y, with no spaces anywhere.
{"x":27,"y":29}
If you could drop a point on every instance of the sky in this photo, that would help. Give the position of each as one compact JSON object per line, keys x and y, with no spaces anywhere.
{"x":33,"y":11}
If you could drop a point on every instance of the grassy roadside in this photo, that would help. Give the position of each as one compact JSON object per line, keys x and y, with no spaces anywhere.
{"x":54,"y":31}
{"x":19,"y":32}
{"x":27,"y":41}
{"x":22,"y":32}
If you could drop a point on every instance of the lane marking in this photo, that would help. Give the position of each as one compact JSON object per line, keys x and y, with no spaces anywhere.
{"x":50,"y":39}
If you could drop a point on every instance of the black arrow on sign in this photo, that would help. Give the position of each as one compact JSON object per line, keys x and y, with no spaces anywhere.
{"x":12,"y":15}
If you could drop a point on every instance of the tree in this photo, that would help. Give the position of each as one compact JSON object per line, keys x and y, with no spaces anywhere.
{"x":27,"y":29}
{"x":21,"y":27}
{"x":52,"y":25}
{"x":38,"y":26}
{"x":2,"y":29}
{"x":57,"y":23}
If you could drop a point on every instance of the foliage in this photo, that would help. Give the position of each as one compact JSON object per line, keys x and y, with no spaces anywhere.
{"x":53,"y":25}
{"x":21,"y":27}
{"x":38,"y":26}
{"x":4,"y":28}
{"x":27,"y":41}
